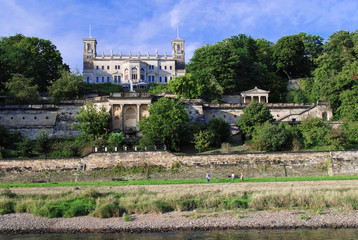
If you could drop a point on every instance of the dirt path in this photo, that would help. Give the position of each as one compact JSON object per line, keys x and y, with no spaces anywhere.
{"x":223,"y":187}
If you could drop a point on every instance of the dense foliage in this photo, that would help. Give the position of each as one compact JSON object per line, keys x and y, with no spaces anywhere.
{"x":212,"y":134}
{"x":32,"y":57}
{"x":254,"y":114}
{"x":167,"y":124}
{"x":21,"y":90}
{"x":93,"y":122}
{"x":68,"y":86}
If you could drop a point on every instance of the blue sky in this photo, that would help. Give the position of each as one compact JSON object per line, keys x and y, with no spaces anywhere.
{"x":147,"y":25}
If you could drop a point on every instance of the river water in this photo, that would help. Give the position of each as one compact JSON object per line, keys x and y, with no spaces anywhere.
{"x":296,"y":234}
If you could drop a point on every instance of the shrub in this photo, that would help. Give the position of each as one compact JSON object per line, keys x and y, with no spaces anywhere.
{"x":127,"y":218}
{"x":225,"y":148}
{"x":221,"y":130}
{"x":42,"y":143}
{"x":270,"y":137}
{"x":203,"y":140}
{"x":7,"y":206}
{"x":313,"y":131}
{"x":25,"y":147}
{"x":115,"y":140}
{"x":8,"y":193}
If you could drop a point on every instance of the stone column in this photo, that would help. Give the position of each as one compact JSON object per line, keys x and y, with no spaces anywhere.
{"x":122,"y":108}
{"x":138,"y":113}
{"x":259,"y":98}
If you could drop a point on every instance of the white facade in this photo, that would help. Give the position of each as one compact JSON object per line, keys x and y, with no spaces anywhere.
{"x":133,"y":68}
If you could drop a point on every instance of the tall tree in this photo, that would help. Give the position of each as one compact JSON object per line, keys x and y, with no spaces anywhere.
{"x":32,"y":57}
{"x":289,"y":57}
{"x":68,"y":86}
{"x":21,"y":90}
{"x":254,"y":115}
{"x":93,"y":122}
{"x":167,"y":124}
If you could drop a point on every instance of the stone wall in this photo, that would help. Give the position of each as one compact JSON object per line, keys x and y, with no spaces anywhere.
{"x":252,"y":164}
{"x":57,"y":120}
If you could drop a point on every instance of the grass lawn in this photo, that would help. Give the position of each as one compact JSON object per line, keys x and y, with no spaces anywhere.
{"x":176,"y":181}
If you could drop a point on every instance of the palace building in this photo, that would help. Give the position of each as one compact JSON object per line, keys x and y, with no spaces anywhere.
{"x":132,"y":69}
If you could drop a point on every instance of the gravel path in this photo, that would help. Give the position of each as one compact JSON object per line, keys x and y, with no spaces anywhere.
{"x":224,"y":187}
{"x":26,"y":223}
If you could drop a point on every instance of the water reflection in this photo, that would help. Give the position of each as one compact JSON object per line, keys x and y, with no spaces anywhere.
{"x":188,"y":235}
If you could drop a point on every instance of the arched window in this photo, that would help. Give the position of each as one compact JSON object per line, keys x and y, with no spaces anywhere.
{"x":126,"y":74}
{"x":178,"y":47}
{"x":142,"y":74}
{"x":134,"y":73}
{"x":88,"y":47}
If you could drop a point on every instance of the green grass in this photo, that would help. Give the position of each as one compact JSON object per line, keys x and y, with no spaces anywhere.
{"x":176,"y":181}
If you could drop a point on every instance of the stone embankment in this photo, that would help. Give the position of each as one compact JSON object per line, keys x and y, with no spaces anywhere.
{"x":20,"y":223}
{"x":253,"y":164}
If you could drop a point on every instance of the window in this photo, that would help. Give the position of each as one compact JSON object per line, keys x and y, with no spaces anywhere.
{"x":160,"y":67}
{"x":178,"y":57}
{"x":165,"y":67}
{"x":142,"y":74}
{"x":119,"y":78}
{"x":171,"y":67}
{"x":115,"y":79}
{"x":165,"y":79}
{"x":178,"y":47}
{"x":153,"y":79}
{"x":97,"y":67}
{"x":88,"y":79}
{"x":160,"y":79}
{"x":115,"y":67}
{"x":102,"y":79}
{"x":171,"y":78}
{"x":149,"y":78}
{"x":107,"y":67}
{"x":134,"y":73}
{"x":97,"y":79}
{"x":102,"y":67}
{"x":88,"y":47}
{"x":119,"y":67}
{"x":88,"y":57}
{"x":108,"y":79}
{"x":126,"y":73}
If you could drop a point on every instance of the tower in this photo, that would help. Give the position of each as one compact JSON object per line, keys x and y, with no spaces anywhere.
{"x":89,"y":52}
{"x":179,"y":53}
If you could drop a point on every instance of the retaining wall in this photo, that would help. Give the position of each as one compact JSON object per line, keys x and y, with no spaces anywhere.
{"x":253,"y":164}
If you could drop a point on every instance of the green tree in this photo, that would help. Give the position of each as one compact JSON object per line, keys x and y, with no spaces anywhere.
{"x":221,"y":131}
{"x":254,"y":115}
{"x":271,"y":137}
{"x":184,"y":86}
{"x":203,"y":140}
{"x":115,"y":139}
{"x":68,"y":86}
{"x":289,"y":57}
{"x":93,"y":122}
{"x":32,"y":57}
{"x":313,"y":131}
{"x":167,"y":124}
{"x":21,"y":90}
{"x":229,"y":66}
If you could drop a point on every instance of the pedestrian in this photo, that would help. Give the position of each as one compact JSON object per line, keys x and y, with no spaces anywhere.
{"x":233,"y":177}
{"x":207,"y":177}
{"x":242,"y":177}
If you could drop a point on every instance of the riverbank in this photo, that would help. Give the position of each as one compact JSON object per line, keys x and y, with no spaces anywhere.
{"x":21,"y":223}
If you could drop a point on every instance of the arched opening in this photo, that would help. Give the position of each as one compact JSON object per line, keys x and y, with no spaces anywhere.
{"x":324,"y":116}
{"x":116,"y":123}
{"x":130,"y":116}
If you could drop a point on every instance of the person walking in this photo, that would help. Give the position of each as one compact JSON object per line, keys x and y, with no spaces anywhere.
{"x":233,"y":177}
{"x":242,"y":177}
{"x":207,"y":177}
